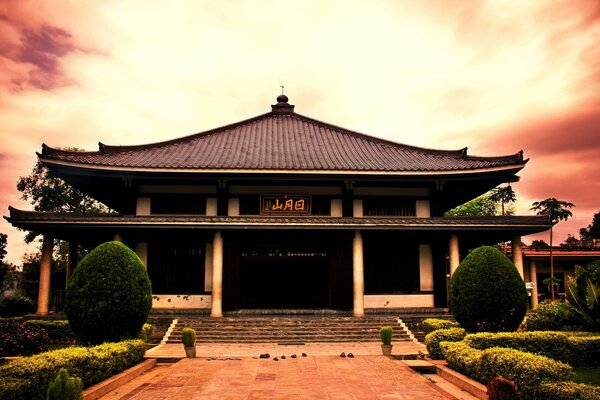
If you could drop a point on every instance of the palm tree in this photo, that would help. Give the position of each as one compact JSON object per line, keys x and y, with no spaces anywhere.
{"x":556,"y":210}
{"x":504,"y":195}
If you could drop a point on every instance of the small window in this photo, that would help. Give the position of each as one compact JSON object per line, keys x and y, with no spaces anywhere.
{"x":178,"y":204}
{"x":389,"y":207}
{"x":250,"y":204}
{"x":321,"y":205}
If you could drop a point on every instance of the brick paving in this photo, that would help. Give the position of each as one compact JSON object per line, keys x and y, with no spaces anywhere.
{"x":314,"y":377}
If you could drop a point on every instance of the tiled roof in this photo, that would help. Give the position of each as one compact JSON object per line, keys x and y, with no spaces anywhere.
{"x":21,"y":218}
{"x":279,"y":140}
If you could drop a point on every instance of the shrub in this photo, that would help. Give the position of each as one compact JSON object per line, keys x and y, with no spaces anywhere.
{"x":550,"y":316}
{"x":15,"y":306}
{"x":65,"y":387}
{"x":433,"y":340}
{"x":585,"y":351}
{"x":433,"y":324}
{"x":575,"y":350}
{"x":91,"y":364}
{"x":59,"y":331}
{"x":569,"y":391}
{"x":527,"y":370}
{"x":146,"y":333}
{"x":584,"y":294}
{"x":487,"y":293}
{"x":462,"y":358}
{"x":188,"y":337}
{"x":18,"y":339}
{"x":500,"y":388}
{"x":109,"y":295}
{"x":13,"y":389}
{"x":385,"y":334}
{"x":550,"y":344}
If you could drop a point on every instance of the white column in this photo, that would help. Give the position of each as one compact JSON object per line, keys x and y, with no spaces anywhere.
{"x":423,"y":209}
{"x":208,"y":267}
{"x":426,"y":267}
{"x":454,"y":254}
{"x":336,"y":208}
{"x":233,"y":207}
{"x":141,"y":249}
{"x":533,"y":277}
{"x":217,"y":277}
{"x":517,"y":254}
{"x":358,"y":276}
{"x":44,"y":286}
{"x":143,"y":206}
{"x":211,"y":206}
{"x":357,"y":209}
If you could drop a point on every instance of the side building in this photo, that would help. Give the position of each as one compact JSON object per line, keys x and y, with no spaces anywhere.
{"x":282,"y":211}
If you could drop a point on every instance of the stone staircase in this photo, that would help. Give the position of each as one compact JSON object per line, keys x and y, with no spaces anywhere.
{"x":288,"y":329}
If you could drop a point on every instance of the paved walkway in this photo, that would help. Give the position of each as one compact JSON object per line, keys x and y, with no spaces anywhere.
{"x":313,"y":377}
{"x":234,"y":371}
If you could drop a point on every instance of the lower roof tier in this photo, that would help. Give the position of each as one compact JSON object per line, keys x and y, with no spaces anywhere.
{"x":48,"y":221}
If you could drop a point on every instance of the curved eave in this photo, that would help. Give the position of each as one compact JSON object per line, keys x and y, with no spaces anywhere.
{"x":49,"y":161}
{"x":43,"y":221}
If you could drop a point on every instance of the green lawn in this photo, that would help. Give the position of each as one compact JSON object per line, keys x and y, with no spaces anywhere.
{"x":591,"y":376}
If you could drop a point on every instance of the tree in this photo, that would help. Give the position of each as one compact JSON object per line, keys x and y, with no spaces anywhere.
{"x":109,"y":295}
{"x":556,"y":210}
{"x":503,"y":195}
{"x":478,"y":207}
{"x":593,"y":230}
{"x":583,"y":290}
{"x":7,"y":270}
{"x":539,"y":245}
{"x":48,"y":193}
{"x":486,"y":292}
{"x":571,"y":242}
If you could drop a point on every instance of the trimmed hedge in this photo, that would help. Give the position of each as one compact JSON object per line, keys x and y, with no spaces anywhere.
{"x":527,"y":370}
{"x":433,"y":324}
{"x":58,"y":331}
{"x":569,"y":391}
{"x":15,"y":306}
{"x":433,"y":340}
{"x":90,"y":364}
{"x":18,"y":339}
{"x":575,"y":350}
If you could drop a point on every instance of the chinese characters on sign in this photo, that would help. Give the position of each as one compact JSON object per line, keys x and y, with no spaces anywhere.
{"x":285,"y":205}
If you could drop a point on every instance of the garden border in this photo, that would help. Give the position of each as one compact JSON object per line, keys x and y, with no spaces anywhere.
{"x":102,"y":388}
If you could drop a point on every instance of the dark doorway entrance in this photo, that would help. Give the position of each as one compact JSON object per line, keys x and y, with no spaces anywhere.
{"x":293,"y":279}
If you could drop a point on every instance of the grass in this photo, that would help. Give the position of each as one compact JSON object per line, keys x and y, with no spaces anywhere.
{"x":590,"y":376}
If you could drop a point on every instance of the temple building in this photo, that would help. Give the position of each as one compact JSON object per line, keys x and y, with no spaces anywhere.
{"x":282,"y":211}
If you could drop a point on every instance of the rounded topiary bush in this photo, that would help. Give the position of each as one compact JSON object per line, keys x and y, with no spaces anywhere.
{"x":109,"y":295}
{"x":487,"y":293}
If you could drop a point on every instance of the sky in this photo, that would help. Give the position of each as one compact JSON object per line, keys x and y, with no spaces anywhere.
{"x":495,"y":76}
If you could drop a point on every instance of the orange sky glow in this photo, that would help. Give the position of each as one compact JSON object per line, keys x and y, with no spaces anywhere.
{"x":495,"y":76}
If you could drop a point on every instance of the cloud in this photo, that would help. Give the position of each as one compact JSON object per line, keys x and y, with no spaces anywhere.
{"x":31,"y":50}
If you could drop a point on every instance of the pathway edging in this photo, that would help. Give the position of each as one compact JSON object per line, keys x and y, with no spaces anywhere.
{"x":114,"y":382}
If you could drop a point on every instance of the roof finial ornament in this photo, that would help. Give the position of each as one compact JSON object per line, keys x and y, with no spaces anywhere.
{"x":282,"y":106}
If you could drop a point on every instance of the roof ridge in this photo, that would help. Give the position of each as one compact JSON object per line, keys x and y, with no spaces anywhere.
{"x":459,"y":152}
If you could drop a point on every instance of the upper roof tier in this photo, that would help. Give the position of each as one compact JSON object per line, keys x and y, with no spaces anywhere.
{"x":280,"y":140}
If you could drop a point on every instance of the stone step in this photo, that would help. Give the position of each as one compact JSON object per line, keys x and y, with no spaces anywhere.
{"x":290,"y":329}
